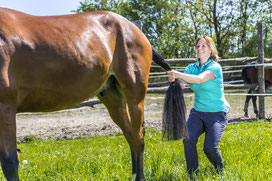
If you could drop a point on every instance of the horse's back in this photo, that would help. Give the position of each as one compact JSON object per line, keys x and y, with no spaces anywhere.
{"x":56,"y":62}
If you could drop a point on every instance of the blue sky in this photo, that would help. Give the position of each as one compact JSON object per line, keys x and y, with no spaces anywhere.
{"x":42,"y":7}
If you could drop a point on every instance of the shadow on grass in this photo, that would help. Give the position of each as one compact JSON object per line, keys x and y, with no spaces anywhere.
{"x":238,"y":120}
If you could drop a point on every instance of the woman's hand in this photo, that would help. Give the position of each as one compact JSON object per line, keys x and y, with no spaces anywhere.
{"x":172,"y":75}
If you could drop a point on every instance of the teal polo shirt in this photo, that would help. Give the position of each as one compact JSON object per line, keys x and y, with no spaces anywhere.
{"x":209,"y":96}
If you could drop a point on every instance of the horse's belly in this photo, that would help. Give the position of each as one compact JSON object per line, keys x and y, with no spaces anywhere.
{"x":40,"y":100}
{"x":48,"y":84}
{"x":46,"y":100}
{"x":58,"y":91}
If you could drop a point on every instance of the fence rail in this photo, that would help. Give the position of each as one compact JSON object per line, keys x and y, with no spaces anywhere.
{"x":230,"y":60}
{"x":164,"y":88}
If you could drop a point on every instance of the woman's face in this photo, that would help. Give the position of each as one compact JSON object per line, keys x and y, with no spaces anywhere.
{"x":203,"y":52}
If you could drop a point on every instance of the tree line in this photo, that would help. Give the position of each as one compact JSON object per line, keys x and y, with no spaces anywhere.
{"x":172,"y":26}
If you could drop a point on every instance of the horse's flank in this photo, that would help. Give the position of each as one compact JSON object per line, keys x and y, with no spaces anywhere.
{"x":55,"y":62}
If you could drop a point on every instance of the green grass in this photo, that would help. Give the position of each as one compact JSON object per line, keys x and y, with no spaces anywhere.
{"x":246,"y":149}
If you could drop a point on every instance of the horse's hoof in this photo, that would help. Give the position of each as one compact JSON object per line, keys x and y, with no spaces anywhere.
{"x":246,"y":115}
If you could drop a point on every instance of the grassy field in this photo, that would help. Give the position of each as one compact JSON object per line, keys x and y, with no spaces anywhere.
{"x":246,"y":149}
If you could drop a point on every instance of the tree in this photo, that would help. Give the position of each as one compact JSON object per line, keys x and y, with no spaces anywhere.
{"x":218,"y":20}
{"x":101,"y":5}
{"x":173,"y":26}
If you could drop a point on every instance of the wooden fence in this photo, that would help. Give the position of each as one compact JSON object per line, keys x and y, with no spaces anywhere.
{"x":230,"y":82}
{"x":232,"y":74}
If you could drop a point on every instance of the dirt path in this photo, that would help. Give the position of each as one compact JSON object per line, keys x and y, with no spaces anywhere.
{"x":79,"y":122}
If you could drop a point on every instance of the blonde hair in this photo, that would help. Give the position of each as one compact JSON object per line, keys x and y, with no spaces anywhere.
{"x":209,"y":41}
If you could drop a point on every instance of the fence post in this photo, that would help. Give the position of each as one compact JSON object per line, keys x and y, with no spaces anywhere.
{"x":261,"y":79}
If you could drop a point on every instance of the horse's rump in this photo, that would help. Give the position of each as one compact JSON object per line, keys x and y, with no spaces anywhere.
{"x":249,"y":74}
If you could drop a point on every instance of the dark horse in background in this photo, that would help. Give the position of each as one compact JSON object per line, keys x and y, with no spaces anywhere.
{"x":250,"y":76}
{"x":56,"y":62}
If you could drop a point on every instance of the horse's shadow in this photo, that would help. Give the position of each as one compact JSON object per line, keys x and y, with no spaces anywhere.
{"x":238,"y":120}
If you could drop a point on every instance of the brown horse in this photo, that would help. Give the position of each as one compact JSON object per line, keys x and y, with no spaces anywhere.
{"x":250,"y":76}
{"x":56,"y":62}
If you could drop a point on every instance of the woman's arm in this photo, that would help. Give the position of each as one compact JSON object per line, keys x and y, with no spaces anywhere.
{"x":189,"y":78}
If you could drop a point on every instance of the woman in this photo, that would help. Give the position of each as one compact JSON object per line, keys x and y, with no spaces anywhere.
{"x":210,"y":110}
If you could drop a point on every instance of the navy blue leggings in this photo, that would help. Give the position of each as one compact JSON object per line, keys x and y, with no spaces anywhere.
{"x":213,"y":124}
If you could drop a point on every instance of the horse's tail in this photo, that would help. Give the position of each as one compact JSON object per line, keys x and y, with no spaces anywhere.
{"x":157,"y":58}
{"x":174,"y":126}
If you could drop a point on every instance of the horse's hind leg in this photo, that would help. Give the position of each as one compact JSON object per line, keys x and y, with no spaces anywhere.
{"x":136,"y":112}
{"x":254,"y":100}
{"x":134,"y":157}
{"x":247,"y":103}
{"x":8,"y":148}
{"x":129,"y":121}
